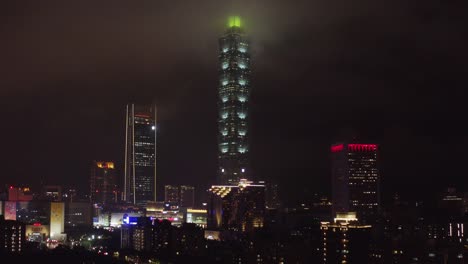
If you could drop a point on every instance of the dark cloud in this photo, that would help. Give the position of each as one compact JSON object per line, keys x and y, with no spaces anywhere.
{"x":393,"y":72}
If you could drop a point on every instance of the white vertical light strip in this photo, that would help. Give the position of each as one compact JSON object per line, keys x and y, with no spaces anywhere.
{"x":126,"y":156}
{"x":155,"y":148}
{"x":458,"y":230}
{"x":450,"y":229}
{"x":133,"y":153}
{"x":462,"y":232}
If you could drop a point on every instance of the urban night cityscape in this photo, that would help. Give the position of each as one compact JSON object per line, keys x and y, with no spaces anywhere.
{"x":234,"y":132}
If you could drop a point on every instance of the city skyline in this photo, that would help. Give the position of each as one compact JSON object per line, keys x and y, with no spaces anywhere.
{"x":317,"y":81}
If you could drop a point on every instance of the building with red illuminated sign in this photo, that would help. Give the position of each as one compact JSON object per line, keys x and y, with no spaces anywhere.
{"x":355,"y":180}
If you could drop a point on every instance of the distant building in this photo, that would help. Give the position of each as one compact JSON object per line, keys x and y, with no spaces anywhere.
{"x":171,"y":194}
{"x":237,"y":207}
{"x":12,"y":236}
{"x":140,"y":154}
{"x":19,"y":194}
{"x":52,"y":193}
{"x":187,"y":196}
{"x":345,"y":240}
{"x":233,"y":104}
{"x":272,"y":197}
{"x":103,"y":187}
{"x":355,"y":180}
{"x":78,"y":214}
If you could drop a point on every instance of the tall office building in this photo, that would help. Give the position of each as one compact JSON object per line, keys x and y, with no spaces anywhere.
{"x":171,"y":194}
{"x":103,"y":183}
{"x":187,"y":196}
{"x":140,"y":154}
{"x":233,"y":100}
{"x":355,"y":180}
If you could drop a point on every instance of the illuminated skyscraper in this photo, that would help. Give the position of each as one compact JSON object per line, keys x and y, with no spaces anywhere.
{"x":233,"y":100}
{"x":140,"y":154}
{"x":355,"y":180}
{"x":103,"y":182}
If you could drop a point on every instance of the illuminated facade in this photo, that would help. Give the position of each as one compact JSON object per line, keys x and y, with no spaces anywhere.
{"x":140,"y":154}
{"x":345,"y":240}
{"x":57,"y":220}
{"x":233,"y":101}
{"x":103,"y":182}
{"x":355,"y":180}
{"x":237,"y":207}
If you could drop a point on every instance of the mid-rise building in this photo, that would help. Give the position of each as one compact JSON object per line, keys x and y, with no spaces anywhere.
{"x":187,"y":196}
{"x":233,"y":101}
{"x":140,"y":154}
{"x":103,"y":182}
{"x":19,"y":194}
{"x":355,"y":180}
{"x":78,"y":214}
{"x":237,"y":207}
{"x":51,"y":193}
{"x":171,"y":194}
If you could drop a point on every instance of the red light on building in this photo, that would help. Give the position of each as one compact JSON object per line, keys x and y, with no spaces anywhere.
{"x":337,"y":148}
{"x":142,"y":115}
{"x":362,"y":147}
{"x":37,"y":224}
{"x":11,"y":187}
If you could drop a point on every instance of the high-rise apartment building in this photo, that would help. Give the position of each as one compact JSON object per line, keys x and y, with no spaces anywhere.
{"x":233,"y":101}
{"x":355,"y":180}
{"x":140,"y":154}
{"x":103,"y":182}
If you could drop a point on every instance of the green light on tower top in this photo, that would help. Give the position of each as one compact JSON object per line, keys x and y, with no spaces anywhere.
{"x":234,"y":21}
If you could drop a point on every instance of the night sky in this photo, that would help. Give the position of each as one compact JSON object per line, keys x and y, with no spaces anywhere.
{"x":389,"y":72}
